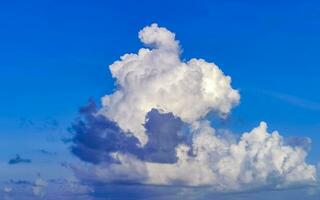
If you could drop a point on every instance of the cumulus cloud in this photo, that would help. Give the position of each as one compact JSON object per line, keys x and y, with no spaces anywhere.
{"x":153,"y":128}
{"x":46,"y":152}
{"x":258,"y":159}
{"x":158,"y":78}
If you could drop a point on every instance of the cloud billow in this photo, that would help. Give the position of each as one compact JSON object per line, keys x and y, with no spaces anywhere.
{"x":97,"y":137}
{"x":153,"y":128}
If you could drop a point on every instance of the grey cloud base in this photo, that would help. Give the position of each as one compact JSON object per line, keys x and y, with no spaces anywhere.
{"x":96,"y":137}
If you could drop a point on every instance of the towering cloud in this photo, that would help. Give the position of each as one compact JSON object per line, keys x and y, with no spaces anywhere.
{"x":153,"y":128}
{"x":157,"y":78}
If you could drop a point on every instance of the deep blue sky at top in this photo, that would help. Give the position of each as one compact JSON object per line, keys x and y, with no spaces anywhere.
{"x":54,"y":55}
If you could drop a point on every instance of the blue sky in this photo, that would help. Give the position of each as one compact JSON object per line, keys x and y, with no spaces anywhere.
{"x":54,"y":56}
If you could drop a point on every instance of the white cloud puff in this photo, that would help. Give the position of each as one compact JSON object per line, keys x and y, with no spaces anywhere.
{"x":158,"y":78}
{"x":39,"y":186}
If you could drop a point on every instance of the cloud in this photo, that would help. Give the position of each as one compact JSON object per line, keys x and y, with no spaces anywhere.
{"x":146,"y":192}
{"x":158,"y":78}
{"x":46,"y":152}
{"x":153,"y":129}
{"x":165,"y":133}
{"x":97,"y":137}
{"x":7,"y":189}
{"x":39,"y":186}
{"x":18,"y":160}
{"x":294,"y":100}
{"x":302,"y":142}
{"x":20,"y":182}
{"x":258,"y":159}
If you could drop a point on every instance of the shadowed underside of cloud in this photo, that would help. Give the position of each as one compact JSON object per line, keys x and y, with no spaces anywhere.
{"x":153,"y":129}
{"x":97,"y":137}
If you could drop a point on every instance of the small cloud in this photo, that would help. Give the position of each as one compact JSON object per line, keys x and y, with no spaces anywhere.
{"x":42,"y":124}
{"x":45,"y":152}
{"x":18,"y":160}
{"x":39,"y":186}
{"x":20,"y":182}
{"x":7,"y":189}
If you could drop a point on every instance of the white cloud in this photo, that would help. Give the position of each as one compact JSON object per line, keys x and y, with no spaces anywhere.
{"x":7,"y":189}
{"x":39,"y":186}
{"x":158,"y":78}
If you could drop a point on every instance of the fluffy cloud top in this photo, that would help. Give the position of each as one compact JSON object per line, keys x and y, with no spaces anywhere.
{"x":158,"y":78}
{"x":153,"y":128}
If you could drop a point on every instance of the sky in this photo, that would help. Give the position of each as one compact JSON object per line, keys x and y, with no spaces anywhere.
{"x":74,"y":123}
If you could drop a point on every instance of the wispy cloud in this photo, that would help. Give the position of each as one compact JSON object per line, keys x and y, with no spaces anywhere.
{"x":293,"y":100}
{"x":46,"y":152}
